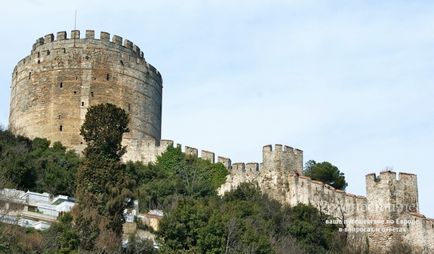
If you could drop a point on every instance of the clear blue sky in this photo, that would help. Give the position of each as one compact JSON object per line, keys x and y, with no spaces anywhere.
{"x":350,"y":82}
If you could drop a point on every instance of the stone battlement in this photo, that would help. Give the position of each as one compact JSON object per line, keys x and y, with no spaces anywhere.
{"x":50,"y":47}
{"x":389,"y":175}
{"x":89,"y":35}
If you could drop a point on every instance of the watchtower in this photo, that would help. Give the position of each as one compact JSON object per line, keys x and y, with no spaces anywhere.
{"x":63,"y":76}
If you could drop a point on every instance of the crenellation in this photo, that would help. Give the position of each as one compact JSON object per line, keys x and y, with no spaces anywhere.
{"x":278,"y":148}
{"x":191,"y":152}
{"x":288,"y":148}
{"x":61,"y":36}
{"x":388,"y":175}
{"x":267,"y":148}
{"x":407,"y":177}
{"x":238,"y":168}
{"x":252,"y":167}
{"x":136,"y":49}
{"x":208,"y":156}
{"x":75,"y":34}
{"x":283,"y":158}
{"x":116,"y":39}
{"x":90,"y":34}
{"x":166,"y":142}
{"x":48,"y":38}
{"x":225,"y":161}
{"x":128,"y":44}
{"x":104,"y":36}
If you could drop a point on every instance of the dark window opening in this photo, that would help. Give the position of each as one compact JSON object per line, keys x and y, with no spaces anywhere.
{"x":60,"y":128}
{"x":108,"y":76}
{"x":129,"y":107}
{"x":59,"y":116}
{"x":82,"y":103}
{"x":122,"y":62}
{"x":87,"y":57}
{"x":48,"y":52}
{"x":39,"y":61}
{"x":81,"y":143}
{"x":76,"y":78}
{"x":91,"y":94}
{"x":75,"y":92}
{"x":39,"y":54}
{"x":30,"y":75}
{"x":64,"y":50}
{"x":61,"y":84}
{"x":16,"y":73}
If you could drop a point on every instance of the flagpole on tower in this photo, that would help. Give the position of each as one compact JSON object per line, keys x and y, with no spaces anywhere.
{"x":75,"y":23}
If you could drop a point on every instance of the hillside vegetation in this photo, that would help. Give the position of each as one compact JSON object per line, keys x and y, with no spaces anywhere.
{"x":196,"y":219}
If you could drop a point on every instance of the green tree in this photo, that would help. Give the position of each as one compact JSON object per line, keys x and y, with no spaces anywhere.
{"x":326,"y":173}
{"x":104,"y":187}
{"x":36,"y":166}
{"x":174,"y":176}
{"x":308,"y":225}
{"x":61,"y":237}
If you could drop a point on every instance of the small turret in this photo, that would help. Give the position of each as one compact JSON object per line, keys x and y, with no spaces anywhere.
{"x":283,"y":158}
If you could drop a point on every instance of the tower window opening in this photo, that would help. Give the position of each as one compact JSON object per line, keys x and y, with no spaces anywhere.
{"x":64,"y":50}
{"x":39,"y":61}
{"x":82,"y":103}
{"x":39,"y":54}
{"x":48,"y":52}
{"x":60,"y":128}
{"x":91,"y":94}
{"x":129,"y":107}
{"x":108,"y":76}
{"x":75,"y":92}
{"x":61,"y":84}
{"x":59,"y":116}
{"x":30,"y":75}
{"x":122,"y":62}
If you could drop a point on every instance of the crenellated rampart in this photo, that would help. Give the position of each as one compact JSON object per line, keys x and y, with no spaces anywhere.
{"x":390,"y":196}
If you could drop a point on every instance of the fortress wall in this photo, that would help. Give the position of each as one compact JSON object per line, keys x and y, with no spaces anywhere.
{"x":336,"y":203}
{"x":53,"y":87}
{"x":285,"y":185}
{"x":420,"y":234}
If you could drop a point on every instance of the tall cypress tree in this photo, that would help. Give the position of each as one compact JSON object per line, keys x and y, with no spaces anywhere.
{"x":103,"y":187}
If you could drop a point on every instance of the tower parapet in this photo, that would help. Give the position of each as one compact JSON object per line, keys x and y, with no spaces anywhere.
{"x":389,"y":199}
{"x":284,"y":158}
{"x":397,"y":193}
{"x":116,"y":40}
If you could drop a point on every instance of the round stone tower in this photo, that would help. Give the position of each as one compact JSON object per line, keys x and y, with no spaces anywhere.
{"x":53,"y":87}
